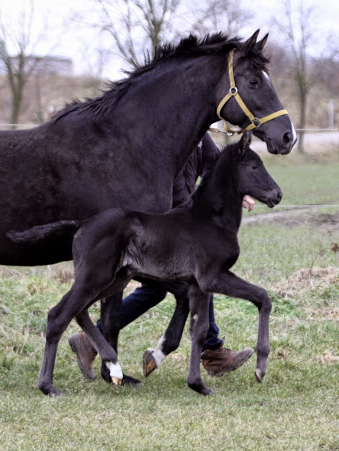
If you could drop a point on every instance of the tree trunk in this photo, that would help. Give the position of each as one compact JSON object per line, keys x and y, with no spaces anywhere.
{"x":15,"y":111}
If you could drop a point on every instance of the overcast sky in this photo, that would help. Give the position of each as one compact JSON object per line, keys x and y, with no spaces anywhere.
{"x":63,"y":38}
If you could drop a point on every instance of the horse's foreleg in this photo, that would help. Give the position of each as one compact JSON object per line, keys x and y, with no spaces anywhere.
{"x":107,"y":353}
{"x":231,"y":285}
{"x":198,"y":328}
{"x":153,"y":357}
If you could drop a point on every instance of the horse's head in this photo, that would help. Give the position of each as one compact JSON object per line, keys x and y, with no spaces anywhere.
{"x":253,"y":178}
{"x":252,"y":102}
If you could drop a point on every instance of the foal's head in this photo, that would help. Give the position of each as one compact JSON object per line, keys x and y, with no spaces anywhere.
{"x":253,"y":178}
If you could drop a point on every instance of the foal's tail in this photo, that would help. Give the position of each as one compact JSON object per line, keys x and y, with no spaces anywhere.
{"x":61,"y":229}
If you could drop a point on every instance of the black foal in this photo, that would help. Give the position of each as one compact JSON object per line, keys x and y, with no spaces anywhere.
{"x":195,"y":244}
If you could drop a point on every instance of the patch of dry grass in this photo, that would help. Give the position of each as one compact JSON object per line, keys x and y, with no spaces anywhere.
{"x":308,"y":279}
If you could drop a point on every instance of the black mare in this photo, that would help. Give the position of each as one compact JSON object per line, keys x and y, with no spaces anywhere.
{"x":193,"y":245}
{"x":125,"y":148}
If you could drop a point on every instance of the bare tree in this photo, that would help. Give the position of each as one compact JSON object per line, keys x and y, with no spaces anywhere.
{"x":221,"y":15}
{"x":299,"y":31}
{"x":20,"y":40}
{"x":136,"y":25}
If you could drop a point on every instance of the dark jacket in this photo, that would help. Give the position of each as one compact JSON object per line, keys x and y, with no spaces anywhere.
{"x":185,"y":183}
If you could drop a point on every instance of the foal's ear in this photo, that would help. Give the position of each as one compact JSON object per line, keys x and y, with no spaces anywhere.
{"x":251,"y":42}
{"x":246,"y":140}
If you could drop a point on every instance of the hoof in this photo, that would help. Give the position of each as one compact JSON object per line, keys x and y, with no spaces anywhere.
{"x":201,"y":388}
{"x":148,"y":363}
{"x":207,"y":391}
{"x":259,"y":375}
{"x":50,"y":390}
{"x":129,"y":380}
{"x":116,"y":381}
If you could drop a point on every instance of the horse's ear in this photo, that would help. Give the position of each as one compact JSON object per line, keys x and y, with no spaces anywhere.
{"x":261,"y":44}
{"x":251,"y":42}
{"x":246,"y":141}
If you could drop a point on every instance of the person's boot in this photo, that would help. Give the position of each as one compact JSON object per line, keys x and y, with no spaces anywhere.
{"x":85,"y":352}
{"x":222,"y":360}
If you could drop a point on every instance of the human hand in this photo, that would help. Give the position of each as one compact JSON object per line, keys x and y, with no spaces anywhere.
{"x":248,"y":202}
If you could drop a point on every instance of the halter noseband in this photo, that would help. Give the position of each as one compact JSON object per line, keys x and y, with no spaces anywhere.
{"x":233,"y":92}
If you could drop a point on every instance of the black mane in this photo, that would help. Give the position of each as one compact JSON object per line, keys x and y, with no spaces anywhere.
{"x":189,"y":47}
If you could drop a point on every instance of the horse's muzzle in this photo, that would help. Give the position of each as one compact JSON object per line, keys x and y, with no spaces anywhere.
{"x":284,"y":147}
{"x":274,"y":197}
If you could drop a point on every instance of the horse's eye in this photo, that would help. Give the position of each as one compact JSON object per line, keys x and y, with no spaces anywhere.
{"x":253,"y":82}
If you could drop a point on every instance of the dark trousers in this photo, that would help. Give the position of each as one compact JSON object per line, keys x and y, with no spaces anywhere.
{"x":147,"y":296}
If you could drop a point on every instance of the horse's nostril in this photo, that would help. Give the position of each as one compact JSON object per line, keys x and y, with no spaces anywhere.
{"x":287,"y":138}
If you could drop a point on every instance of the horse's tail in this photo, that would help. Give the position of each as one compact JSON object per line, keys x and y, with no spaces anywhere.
{"x":37,"y":233}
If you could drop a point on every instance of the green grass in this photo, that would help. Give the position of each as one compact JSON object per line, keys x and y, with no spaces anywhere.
{"x":304,"y":184}
{"x":296,"y":406}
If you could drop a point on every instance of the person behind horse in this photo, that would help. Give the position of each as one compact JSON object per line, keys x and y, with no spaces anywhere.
{"x":215,"y":358}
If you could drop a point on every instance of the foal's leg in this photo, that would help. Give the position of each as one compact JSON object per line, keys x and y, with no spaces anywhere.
{"x":111,"y":324}
{"x":108,"y":355}
{"x":231,"y":285}
{"x":56,"y":325}
{"x":58,"y":319}
{"x":199,"y":327}
{"x":110,"y":317}
{"x":153,"y":358}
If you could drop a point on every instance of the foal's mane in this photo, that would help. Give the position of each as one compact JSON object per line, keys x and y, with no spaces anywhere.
{"x":168,"y":53}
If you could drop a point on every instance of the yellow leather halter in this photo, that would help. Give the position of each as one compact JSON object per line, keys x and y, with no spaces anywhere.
{"x":233,"y":92}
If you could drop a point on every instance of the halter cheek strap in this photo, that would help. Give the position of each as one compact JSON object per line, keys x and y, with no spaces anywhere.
{"x":233,"y":92}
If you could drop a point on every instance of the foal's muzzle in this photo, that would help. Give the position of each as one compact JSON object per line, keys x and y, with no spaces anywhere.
{"x":274,"y":197}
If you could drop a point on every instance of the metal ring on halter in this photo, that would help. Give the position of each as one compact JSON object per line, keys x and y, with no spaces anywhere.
{"x":234,"y":90}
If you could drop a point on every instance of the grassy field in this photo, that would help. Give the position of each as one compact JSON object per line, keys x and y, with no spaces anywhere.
{"x":294,"y":256}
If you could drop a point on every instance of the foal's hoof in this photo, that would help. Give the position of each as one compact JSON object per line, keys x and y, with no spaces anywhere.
{"x":207,"y":391}
{"x":129,"y":380}
{"x":148,"y":363}
{"x":259,"y":375}
{"x":202,"y":389}
{"x":116,"y":381}
{"x":50,"y":390}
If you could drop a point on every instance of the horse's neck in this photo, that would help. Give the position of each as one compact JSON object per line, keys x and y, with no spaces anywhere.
{"x":172,"y":110}
{"x":223,"y":207}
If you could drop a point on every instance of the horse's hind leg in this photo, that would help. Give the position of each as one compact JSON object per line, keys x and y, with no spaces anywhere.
{"x":110,"y":323}
{"x":106,"y":352}
{"x":111,"y":310}
{"x":153,"y":357}
{"x":58,"y":319}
